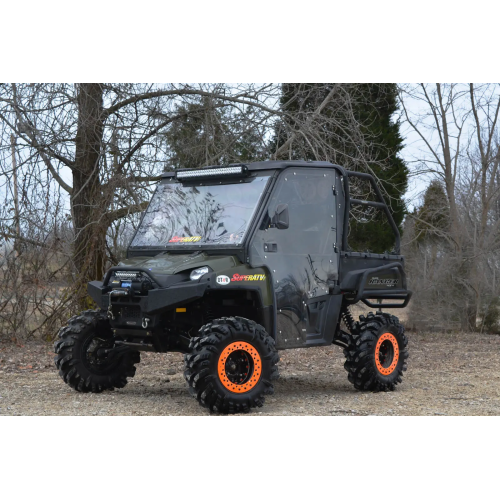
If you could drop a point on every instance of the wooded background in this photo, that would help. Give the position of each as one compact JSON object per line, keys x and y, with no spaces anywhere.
{"x":79,"y":162}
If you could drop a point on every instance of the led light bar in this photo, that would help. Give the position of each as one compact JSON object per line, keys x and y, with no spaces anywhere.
{"x":126,"y":274}
{"x":238,"y":170}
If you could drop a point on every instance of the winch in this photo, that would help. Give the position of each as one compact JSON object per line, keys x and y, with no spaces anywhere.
{"x":133,"y":282}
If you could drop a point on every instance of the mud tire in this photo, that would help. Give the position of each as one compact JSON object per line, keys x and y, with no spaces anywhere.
{"x":201,"y":365}
{"x":361,"y":364}
{"x":71,"y":358}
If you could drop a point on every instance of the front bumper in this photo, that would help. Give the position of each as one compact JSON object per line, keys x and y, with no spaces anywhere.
{"x":157,"y":299}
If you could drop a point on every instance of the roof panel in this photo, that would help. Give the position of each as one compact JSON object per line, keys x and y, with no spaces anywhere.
{"x":274,"y":165}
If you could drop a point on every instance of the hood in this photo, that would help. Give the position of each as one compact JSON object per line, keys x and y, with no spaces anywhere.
{"x":170,"y":263}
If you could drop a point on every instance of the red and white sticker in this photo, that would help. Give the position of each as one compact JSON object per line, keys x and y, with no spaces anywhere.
{"x":223,"y":280}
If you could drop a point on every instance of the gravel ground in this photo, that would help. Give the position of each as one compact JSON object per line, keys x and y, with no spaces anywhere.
{"x":448,"y":374}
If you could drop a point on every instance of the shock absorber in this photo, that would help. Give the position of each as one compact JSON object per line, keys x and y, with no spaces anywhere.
{"x":348,"y":319}
{"x":209,"y":314}
{"x":342,"y":338}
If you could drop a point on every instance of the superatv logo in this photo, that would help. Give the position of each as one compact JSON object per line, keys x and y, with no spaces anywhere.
{"x":248,"y":277}
{"x":185,"y":239}
{"x":384,"y":281}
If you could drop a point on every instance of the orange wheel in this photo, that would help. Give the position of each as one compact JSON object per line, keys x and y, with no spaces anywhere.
{"x":239,"y":367}
{"x":376,"y":353}
{"x":386,"y":353}
{"x":232,"y":365}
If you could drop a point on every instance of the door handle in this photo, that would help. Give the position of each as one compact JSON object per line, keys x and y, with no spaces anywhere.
{"x":270,"y":247}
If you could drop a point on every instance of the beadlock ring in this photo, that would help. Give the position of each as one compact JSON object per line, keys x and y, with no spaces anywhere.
{"x":392,"y":339}
{"x":257,"y":367}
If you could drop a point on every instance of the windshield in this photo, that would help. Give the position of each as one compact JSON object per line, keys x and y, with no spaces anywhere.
{"x":202,"y":215}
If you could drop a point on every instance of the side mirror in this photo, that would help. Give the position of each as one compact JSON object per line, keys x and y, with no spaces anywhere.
{"x":280,"y":219}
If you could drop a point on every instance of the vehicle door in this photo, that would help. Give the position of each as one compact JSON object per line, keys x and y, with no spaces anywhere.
{"x":302,"y":259}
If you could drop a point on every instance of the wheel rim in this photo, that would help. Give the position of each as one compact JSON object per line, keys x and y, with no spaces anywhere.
{"x":386,"y":353}
{"x":94,"y":357}
{"x":239,"y":367}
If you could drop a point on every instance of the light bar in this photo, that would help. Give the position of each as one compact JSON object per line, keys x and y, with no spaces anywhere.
{"x":212,"y":172}
{"x":126,"y":274}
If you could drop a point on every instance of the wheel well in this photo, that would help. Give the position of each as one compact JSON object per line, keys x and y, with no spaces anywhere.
{"x":219,"y":304}
{"x":245,"y":303}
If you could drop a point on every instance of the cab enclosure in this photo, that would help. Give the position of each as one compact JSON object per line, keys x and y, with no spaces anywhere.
{"x":266,"y":241}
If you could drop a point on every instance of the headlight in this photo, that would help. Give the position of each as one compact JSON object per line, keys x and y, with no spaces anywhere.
{"x":196,"y":274}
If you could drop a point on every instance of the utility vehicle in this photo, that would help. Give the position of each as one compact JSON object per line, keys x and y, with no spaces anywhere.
{"x":231,"y":264}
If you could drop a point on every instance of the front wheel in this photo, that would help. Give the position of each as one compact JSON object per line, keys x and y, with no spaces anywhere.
{"x":83,"y":355}
{"x":377,"y":353}
{"x":231,"y":365}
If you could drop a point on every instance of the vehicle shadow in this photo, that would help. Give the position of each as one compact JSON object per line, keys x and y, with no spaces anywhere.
{"x":291,"y":385}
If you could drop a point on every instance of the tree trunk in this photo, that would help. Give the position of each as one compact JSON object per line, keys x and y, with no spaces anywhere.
{"x":16,"y":195}
{"x":88,"y":203}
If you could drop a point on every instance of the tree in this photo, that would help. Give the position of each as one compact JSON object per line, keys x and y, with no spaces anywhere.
{"x":432,"y":218}
{"x":457,"y":125}
{"x":425,"y":247}
{"x":110,"y":139}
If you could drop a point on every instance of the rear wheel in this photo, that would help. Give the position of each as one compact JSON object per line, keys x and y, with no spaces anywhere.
{"x":377,"y":353}
{"x":231,"y":365}
{"x":84,"y":355}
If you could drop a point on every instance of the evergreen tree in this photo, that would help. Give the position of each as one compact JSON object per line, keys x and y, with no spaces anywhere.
{"x":432,"y":219}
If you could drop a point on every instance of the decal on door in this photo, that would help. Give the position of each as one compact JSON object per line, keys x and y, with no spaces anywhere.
{"x":248,"y":277}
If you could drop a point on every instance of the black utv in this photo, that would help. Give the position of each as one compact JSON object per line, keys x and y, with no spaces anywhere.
{"x":231,"y":264}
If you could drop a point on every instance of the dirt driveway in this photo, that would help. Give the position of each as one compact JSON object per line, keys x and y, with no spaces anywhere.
{"x":448,"y":374}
